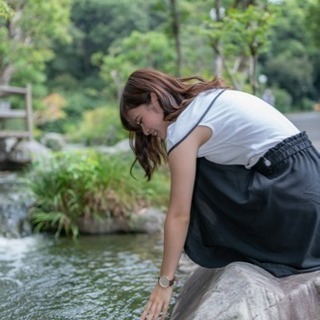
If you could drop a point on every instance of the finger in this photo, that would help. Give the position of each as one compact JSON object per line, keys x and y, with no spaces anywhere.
{"x":152,"y":315}
{"x":157,"y":311}
{"x":164,"y":312}
{"x":146,"y":311}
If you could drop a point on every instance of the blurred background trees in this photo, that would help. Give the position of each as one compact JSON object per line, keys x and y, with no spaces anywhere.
{"x":77,"y":54}
{"x":82,"y":51}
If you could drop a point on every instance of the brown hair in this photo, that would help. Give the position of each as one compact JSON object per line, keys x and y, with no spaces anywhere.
{"x":174,"y":95}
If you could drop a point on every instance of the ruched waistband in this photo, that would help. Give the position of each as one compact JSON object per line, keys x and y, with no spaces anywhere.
{"x":266,"y":165}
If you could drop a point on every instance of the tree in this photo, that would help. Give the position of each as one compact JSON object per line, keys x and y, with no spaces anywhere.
{"x":249,"y":31}
{"x":290,"y":62}
{"x":152,"y":49}
{"x":239,"y":32}
{"x":96,"y":24}
{"x":5,"y":11}
{"x":26,"y":38}
{"x":312,"y":21}
{"x":312,"y":26}
{"x":176,"y":34}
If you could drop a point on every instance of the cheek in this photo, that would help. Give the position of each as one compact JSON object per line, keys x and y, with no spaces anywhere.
{"x":160,"y":119}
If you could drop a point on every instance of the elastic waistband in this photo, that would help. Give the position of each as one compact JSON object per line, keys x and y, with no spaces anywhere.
{"x":281,"y":151}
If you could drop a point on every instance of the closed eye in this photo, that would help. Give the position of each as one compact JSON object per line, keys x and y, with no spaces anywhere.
{"x":138,"y":121}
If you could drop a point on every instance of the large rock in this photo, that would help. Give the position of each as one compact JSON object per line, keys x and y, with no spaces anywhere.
{"x":122,"y":146}
{"x":245,"y":292}
{"x":54,"y":141}
{"x":28,"y":151}
{"x":146,"y":221}
{"x":16,"y":154}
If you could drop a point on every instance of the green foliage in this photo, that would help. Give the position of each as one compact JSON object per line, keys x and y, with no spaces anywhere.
{"x":114,"y":20}
{"x":283,"y":100}
{"x":290,"y":62}
{"x":125,"y":56}
{"x":247,"y":31}
{"x":295,"y":77}
{"x":100,"y":126}
{"x":307,"y":104}
{"x":86,"y":49}
{"x":77,"y":103}
{"x":240,"y":34}
{"x":38,"y":24}
{"x":60,"y":186}
{"x":312,"y":21}
{"x":26,"y":40}
{"x":96,"y":25}
{"x":72,"y":185}
{"x":5,"y":11}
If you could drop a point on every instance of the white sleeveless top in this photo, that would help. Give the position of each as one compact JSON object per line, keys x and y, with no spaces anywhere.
{"x":243,"y":126}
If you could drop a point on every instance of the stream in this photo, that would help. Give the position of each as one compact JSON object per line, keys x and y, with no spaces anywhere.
{"x":92,"y":278}
{"x":106,"y":277}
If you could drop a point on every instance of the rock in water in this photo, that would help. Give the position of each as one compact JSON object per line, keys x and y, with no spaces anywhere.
{"x":15,"y":201}
{"x":244,"y":291}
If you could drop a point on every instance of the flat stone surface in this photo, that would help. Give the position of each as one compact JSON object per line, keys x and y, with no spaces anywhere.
{"x":245,"y":292}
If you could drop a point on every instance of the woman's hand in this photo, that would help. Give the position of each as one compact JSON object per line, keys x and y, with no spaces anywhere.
{"x":158,"y":303}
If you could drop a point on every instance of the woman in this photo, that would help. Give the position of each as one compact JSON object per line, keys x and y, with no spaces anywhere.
{"x":245,"y":183}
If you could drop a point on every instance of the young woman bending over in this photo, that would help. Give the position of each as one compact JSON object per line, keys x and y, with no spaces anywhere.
{"x":245,"y":182}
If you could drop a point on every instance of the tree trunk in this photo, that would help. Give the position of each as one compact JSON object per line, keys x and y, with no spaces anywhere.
{"x":116,"y":78}
{"x":218,"y":60}
{"x":6,"y":75}
{"x":175,"y":24}
{"x":253,"y":68}
{"x":15,"y":34}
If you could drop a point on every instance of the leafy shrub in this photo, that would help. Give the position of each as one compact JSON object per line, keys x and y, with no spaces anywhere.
{"x":100,"y":126}
{"x":306,"y":104}
{"x":77,"y":102}
{"x":283,"y":100}
{"x":71,"y":185}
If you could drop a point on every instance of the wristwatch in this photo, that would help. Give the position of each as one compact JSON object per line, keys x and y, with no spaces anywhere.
{"x":164,"y":282}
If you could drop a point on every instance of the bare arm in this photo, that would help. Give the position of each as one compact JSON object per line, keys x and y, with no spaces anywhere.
{"x":182,"y":162}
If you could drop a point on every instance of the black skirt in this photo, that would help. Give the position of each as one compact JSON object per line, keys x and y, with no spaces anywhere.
{"x":268,"y":215}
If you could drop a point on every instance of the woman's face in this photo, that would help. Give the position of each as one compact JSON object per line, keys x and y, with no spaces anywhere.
{"x":149,"y":117}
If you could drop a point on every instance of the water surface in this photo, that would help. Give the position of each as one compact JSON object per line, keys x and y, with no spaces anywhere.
{"x":93,"y":278}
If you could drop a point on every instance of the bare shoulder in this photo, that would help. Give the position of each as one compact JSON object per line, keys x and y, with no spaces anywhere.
{"x":201,"y":134}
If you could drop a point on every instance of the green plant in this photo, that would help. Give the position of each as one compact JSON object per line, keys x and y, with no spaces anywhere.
{"x":72,"y":185}
{"x":283,"y":100}
{"x":60,"y":185}
{"x":100,"y":126}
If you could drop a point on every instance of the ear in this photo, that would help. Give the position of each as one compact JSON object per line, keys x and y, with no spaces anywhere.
{"x":154,"y":97}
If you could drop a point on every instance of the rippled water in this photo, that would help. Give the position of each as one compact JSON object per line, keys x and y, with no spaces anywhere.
{"x":93,"y":278}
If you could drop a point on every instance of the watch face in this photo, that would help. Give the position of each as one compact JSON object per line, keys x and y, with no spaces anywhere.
{"x":164,"y":282}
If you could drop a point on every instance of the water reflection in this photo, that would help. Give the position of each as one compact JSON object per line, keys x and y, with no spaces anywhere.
{"x":93,"y":278}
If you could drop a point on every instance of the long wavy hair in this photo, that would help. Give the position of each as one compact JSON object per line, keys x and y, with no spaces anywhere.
{"x":174,"y":95}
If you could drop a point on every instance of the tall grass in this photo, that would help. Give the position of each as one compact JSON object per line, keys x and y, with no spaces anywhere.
{"x":87,"y":184}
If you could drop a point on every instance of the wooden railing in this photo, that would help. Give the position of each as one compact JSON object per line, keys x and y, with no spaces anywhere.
{"x":14,"y":113}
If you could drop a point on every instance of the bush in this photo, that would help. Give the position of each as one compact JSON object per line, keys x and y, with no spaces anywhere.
{"x":86,"y":184}
{"x":307,"y":104}
{"x":283,"y":100}
{"x":100,"y":126}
